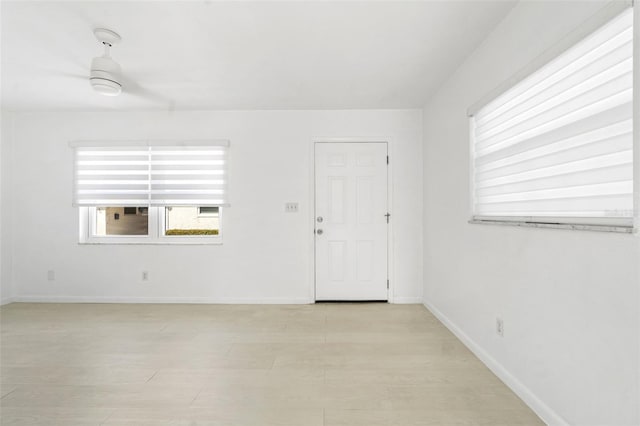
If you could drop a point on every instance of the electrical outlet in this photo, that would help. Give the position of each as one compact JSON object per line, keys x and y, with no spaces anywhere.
{"x":145,"y":276}
{"x":499,"y":327}
{"x":51,"y":275}
{"x":291,"y":207}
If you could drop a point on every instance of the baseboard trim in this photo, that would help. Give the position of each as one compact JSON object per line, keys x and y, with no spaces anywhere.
{"x":168,"y":300}
{"x":543,"y":411}
{"x":185,"y":300}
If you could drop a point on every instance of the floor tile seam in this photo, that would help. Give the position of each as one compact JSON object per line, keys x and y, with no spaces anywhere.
{"x":106,"y":419}
{"x":12,"y":391}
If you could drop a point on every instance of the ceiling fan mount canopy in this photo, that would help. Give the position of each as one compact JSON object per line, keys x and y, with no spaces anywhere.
{"x":106,"y":36}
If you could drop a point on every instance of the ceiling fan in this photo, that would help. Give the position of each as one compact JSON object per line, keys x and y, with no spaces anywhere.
{"x":106,"y":74}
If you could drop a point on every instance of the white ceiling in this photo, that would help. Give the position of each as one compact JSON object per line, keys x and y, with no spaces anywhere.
{"x":240,"y":55}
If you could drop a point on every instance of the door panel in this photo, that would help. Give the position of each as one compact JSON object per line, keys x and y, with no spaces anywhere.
{"x":351,"y":226}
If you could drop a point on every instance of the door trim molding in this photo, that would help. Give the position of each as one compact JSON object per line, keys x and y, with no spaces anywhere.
{"x":312,"y":210}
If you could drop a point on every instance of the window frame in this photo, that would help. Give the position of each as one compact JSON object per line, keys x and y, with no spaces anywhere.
{"x":606,"y":224}
{"x":156,"y":221}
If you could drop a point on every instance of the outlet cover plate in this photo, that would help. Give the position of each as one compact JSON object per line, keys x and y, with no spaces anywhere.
{"x":499,"y":327}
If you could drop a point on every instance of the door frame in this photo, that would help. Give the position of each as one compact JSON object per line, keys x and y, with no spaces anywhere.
{"x":312,"y":204}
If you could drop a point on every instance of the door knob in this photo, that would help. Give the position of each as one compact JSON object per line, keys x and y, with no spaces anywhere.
{"x":319,"y":231}
{"x":319,"y":219}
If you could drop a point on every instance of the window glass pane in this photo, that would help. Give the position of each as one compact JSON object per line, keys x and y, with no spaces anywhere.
{"x":122,"y":221}
{"x":190,"y":221}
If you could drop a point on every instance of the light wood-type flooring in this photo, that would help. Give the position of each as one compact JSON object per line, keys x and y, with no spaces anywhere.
{"x":246,"y":365}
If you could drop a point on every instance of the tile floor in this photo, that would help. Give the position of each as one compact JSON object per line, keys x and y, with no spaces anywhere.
{"x":257,"y":365}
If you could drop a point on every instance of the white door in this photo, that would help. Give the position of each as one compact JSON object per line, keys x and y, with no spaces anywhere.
{"x":351,"y":221}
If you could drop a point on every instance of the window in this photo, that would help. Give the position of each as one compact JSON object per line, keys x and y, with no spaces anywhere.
{"x":150,"y":193}
{"x":188,"y":221}
{"x":120,"y":221}
{"x":558,"y":146}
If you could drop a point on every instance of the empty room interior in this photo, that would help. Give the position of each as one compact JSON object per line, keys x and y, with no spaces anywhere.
{"x":320,"y":213}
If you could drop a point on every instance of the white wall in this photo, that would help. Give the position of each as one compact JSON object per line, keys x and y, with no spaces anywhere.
{"x":3,"y":137}
{"x":266,"y":252}
{"x":6,"y":291}
{"x":569,"y":299}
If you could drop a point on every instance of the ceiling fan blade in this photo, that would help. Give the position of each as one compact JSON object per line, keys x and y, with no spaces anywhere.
{"x":67,"y":74}
{"x":74,"y":76}
{"x":133,"y":88}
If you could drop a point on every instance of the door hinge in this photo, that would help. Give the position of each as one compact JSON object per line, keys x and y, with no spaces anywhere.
{"x":387,"y":284}
{"x":388,"y":215}
{"x":387,"y":159}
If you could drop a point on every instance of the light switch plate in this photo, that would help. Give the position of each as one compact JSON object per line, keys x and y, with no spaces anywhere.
{"x":291,"y":207}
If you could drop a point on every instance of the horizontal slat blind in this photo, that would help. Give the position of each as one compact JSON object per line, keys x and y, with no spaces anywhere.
{"x":111,"y":176}
{"x":186,"y":175}
{"x":140,"y":175}
{"x":560,"y":142}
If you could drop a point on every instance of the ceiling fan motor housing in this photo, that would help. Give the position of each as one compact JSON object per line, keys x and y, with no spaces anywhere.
{"x":105,"y":76}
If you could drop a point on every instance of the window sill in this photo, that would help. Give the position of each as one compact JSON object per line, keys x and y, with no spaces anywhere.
{"x":172,"y":242}
{"x":572,"y":226}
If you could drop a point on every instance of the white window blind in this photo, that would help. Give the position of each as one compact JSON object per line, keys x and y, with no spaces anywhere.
{"x":559,"y":143}
{"x":193,"y":174}
{"x":188,"y":176}
{"x":111,"y":176}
